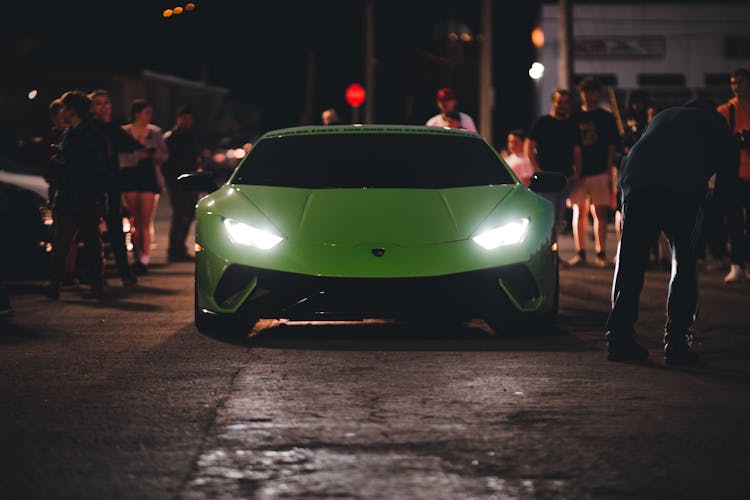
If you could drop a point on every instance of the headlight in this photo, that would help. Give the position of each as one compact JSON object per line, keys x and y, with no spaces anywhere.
{"x":507,"y":234}
{"x":249,"y":235}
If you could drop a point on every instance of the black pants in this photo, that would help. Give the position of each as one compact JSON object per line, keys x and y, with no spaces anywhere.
{"x":82,"y":222}
{"x":183,"y":213}
{"x":738,"y":223}
{"x":645,"y":213}
{"x":714,"y":233}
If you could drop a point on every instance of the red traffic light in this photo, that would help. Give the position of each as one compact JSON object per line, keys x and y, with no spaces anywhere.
{"x":355,"y":95}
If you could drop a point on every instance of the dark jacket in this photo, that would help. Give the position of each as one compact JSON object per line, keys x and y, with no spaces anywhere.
{"x":680,"y":150}
{"x":118,"y":141}
{"x":184,"y":153}
{"x":85,"y":175}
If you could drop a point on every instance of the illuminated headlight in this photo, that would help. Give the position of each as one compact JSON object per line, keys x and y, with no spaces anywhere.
{"x":507,"y":234}
{"x":249,"y":235}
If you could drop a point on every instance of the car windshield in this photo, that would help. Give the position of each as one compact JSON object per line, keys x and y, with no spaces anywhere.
{"x":372,"y":160}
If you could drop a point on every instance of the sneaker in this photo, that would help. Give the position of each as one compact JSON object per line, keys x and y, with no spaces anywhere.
{"x":625,"y":348}
{"x":736,"y":275}
{"x":680,"y":353}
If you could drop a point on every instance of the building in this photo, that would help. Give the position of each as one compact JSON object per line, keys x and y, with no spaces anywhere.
{"x":674,"y":51}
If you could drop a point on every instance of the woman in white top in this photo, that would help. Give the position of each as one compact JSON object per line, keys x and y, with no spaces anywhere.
{"x":516,"y":158}
{"x":141,"y":179}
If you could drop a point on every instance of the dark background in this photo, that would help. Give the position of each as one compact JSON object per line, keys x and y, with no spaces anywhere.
{"x":261,"y":51}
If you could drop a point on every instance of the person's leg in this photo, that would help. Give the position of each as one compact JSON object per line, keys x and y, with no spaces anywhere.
{"x":148,"y":203}
{"x":745,"y":203}
{"x":639,"y":228}
{"x":88,"y":229}
{"x":736,"y":226}
{"x":600,"y":214}
{"x":117,"y":237}
{"x":173,"y":247}
{"x":62,"y":240}
{"x":183,"y":213}
{"x":683,"y":231}
{"x":131,"y":200}
{"x":579,"y":204}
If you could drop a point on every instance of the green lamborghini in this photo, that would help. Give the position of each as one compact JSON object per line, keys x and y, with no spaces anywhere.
{"x":373,"y":221}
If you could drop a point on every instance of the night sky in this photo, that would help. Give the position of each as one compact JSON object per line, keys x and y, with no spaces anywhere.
{"x":261,"y":50}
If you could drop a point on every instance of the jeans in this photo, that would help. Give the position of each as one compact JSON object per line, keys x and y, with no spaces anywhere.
{"x":645,"y":213}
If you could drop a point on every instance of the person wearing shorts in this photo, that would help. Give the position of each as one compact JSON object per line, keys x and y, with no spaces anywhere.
{"x":593,"y":191}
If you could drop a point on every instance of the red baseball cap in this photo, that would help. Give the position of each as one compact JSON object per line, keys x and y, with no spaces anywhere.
{"x":446,"y":94}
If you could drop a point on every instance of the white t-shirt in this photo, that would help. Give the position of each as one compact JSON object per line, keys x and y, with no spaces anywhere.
{"x":521,"y":166}
{"x":466,"y":122}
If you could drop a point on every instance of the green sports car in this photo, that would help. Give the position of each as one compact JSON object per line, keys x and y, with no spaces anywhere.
{"x":373,"y":221}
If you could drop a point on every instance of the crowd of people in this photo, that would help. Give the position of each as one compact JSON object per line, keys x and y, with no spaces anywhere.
{"x":99,"y":173}
{"x":676,"y":180}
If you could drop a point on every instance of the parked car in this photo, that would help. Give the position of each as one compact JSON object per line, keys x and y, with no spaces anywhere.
{"x":27,"y":221}
{"x":350,"y":222}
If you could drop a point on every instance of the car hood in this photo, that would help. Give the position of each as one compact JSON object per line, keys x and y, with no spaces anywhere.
{"x":356,"y":216}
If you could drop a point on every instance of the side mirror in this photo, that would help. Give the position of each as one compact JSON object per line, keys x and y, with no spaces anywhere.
{"x":202,"y":181}
{"x":547,"y":182}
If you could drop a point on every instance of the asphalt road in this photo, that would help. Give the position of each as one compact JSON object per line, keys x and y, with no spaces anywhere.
{"x":123,"y":398}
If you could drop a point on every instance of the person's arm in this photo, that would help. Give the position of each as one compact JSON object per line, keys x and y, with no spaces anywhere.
{"x":529,"y":149}
{"x":161,"y":152}
{"x":577,"y":161}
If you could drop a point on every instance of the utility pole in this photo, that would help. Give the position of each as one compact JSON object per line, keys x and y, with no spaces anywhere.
{"x":369,"y":59}
{"x":565,"y":34}
{"x":486,"y":91}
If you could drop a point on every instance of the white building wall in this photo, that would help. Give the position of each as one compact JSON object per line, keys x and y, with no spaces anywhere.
{"x":693,"y":38}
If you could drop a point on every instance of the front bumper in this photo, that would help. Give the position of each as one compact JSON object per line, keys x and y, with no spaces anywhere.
{"x":260,"y":293}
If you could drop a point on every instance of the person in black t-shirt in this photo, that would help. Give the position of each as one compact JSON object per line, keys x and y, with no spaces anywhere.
{"x":554,"y":145}
{"x":594,"y":191}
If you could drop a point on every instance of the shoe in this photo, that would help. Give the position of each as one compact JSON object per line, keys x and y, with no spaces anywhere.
{"x":139,"y":268}
{"x":577,"y":260}
{"x":624,"y":348}
{"x":736,"y":275}
{"x":680,"y":353}
{"x":601,"y":260}
{"x":129,"y":279}
{"x":52,"y":290}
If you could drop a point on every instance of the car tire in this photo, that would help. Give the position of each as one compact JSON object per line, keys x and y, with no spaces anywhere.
{"x":228,"y":325}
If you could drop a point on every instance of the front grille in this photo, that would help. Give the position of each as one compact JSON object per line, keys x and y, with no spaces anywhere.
{"x":296,"y":296}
